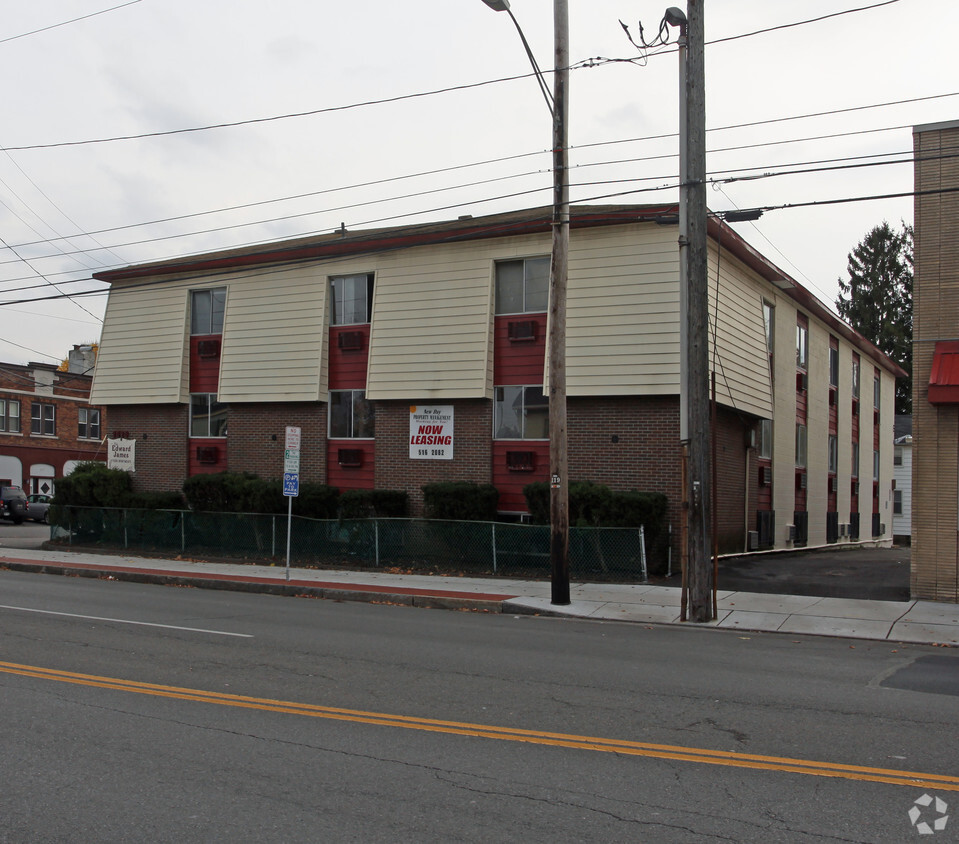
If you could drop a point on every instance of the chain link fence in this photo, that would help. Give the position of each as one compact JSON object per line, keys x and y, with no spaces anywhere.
{"x":416,"y":545}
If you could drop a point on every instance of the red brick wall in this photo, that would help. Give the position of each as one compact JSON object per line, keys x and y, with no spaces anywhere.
{"x":472,"y":449}
{"x":736,"y":497}
{"x":252,"y":448}
{"x":161,"y":451}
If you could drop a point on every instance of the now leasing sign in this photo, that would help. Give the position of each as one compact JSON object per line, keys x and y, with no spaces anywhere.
{"x":431,"y":432}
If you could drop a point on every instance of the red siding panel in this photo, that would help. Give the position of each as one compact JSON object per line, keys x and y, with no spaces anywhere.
{"x":205,"y":369}
{"x":510,"y":482}
{"x":519,"y":361}
{"x":351,"y":477}
{"x":348,"y":364}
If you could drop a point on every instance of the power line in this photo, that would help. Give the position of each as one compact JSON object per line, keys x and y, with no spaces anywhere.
{"x":66,"y":23}
{"x":597,"y":198}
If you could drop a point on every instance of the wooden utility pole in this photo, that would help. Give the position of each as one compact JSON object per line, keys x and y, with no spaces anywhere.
{"x":558,"y":453}
{"x":699,"y":528}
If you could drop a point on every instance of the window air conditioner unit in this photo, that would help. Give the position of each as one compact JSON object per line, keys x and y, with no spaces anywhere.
{"x":765,"y":475}
{"x":350,"y":457}
{"x":802,"y":382}
{"x":855,"y":487}
{"x":208,"y":349}
{"x":520,"y":461}
{"x":842,"y":530}
{"x":754,"y":540}
{"x":833,"y":485}
{"x":521,"y":331}
{"x":800,"y":480}
{"x":350,"y":341}
{"x":207,"y":455}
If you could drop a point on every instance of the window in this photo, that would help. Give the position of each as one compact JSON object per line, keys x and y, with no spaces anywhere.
{"x":875,"y":467}
{"x":43,"y":419}
{"x":800,"y":446}
{"x":833,"y":366}
{"x":897,"y":502}
{"x":522,"y":287}
{"x":855,"y":460}
{"x":769,"y":321}
{"x":352,"y":298}
{"x":833,"y":454}
{"x":897,"y":456}
{"x":764,"y":438}
{"x":520,"y":413}
{"x":88,"y":427}
{"x":351,"y":415}
{"x":207,"y":416}
{"x":876,"y":391}
{"x":855,"y":376}
{"x":206,"y":311}
{"x":802,"y":345}
{"x":10,"y":416}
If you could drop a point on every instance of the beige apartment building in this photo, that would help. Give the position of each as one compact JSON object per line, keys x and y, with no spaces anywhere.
{"x":348,"y":336}
{"x":935,"y":474}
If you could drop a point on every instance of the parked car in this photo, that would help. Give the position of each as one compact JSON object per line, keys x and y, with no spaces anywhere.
{"x":39,"y":505}
{"x":13,"y":504}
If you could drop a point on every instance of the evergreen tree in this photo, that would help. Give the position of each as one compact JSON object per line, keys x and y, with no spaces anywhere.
{"x":877,"y":299}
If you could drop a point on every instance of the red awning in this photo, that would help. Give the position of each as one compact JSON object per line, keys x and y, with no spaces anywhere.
{"x":944,"y":377}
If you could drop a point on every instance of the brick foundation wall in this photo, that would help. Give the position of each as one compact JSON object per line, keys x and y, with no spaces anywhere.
{"x":251,"y":447}
{"x":160,"y":431}
{"x":472,"y":449}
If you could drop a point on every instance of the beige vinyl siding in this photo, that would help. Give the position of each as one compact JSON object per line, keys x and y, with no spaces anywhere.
{"x":273,"y":336}
{"x":742,"y":371}
{"x":623,"y":312}
{"x":432,"y":324}
{"x":142,"y":357}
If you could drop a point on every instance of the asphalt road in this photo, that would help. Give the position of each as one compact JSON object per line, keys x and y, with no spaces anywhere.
{"x":143,"y":713}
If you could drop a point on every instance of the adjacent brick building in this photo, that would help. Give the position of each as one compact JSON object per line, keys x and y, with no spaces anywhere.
{"x":935,"y":403}
{"x":353,"y":337}
{"x":47,"y":424}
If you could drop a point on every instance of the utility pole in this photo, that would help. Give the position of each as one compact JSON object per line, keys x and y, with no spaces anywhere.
{"x":558,"y":274}
{"x":558,"y":448}
{"x":699,"y":485}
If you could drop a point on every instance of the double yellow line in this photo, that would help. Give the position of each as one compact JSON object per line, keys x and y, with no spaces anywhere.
{"x":913,"y":779}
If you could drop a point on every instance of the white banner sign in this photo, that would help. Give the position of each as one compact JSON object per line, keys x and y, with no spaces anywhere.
{"x":431,"y":432}
{"x":121,"y":454}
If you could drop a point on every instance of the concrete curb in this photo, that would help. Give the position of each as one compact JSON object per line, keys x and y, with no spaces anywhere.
{"x":424,"y":599}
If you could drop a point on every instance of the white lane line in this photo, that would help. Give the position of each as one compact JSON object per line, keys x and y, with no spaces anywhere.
{"x":127,"y":621}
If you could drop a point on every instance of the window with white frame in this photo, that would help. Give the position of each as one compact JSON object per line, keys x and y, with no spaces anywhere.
{"x":208,"y":418}
{"x":43,"y":419}
{"x":855,"y":460}
{"x":352,"y":416}
{"x":855,"y":376}
{"x":10,"y":416}
{"x":520,"y":413}
{"x":88,"y":423}
{"x":800,"y":446}
{"x":802,"y":346}
{"x":876,"y":391}
{"x":897,"y":502}
{"x":352,"y":299}
{"x":764,"y":445}
{"x":206,"y":310}
{"x":833,"y":454}
{"x":522,"y":287}
{"x":875,"y":466}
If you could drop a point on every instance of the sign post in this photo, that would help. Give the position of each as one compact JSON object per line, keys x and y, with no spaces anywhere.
{"x":291,"y":483}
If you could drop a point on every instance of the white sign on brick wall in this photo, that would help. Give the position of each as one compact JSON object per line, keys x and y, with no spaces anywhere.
{"x":431,"y":432}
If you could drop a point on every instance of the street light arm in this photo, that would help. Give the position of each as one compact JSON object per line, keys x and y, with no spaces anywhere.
{"x":540,"y":78}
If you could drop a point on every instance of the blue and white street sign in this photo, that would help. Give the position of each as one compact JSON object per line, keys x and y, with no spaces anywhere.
{"x":291,"y":483}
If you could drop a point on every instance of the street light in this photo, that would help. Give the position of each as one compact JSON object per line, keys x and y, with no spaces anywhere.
{"x":558,"y":452}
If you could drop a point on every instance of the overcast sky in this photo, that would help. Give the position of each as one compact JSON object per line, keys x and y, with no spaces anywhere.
{"x":325,"y":149}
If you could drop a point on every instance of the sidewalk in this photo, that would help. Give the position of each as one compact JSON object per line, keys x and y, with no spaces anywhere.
{"x":922,"y":622}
